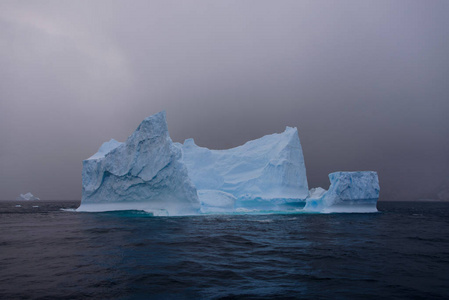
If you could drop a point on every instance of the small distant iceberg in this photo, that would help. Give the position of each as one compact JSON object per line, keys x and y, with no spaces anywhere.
{"x":443,"y":191}
{"x":149,"y":172}
{"x":27,"y":197}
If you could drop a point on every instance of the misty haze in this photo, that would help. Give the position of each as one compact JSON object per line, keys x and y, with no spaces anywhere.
{"x":238,"y":149}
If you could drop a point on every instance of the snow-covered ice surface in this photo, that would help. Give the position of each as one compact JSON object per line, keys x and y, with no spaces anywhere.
{"x":26,"y":197}
{"x":261,"y":174}
{"x":348,"y":192}
{"x":144,"y":173}
{"x":105,"y":149}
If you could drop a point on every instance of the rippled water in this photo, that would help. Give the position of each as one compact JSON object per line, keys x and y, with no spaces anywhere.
{"x":402,"y":252}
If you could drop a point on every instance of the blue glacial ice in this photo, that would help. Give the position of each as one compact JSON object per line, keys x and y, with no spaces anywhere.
{"x":144,"y":173}
{"x":215,"y":201}
{"x":348,"y":192}
{"x":267,"y":173}
{"x":149,"y":172}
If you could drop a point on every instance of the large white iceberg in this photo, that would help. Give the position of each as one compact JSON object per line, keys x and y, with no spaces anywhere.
{"x":348,"y":192}
{"x":149,"y":172}
{"x":144,"y":173}
{"x":26,"y":197}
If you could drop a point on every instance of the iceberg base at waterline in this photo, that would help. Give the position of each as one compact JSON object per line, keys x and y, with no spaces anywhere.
{"x":214,"y":201}
{"x":149,"y":208}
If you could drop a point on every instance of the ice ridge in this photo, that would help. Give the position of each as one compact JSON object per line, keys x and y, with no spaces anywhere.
{"x":146,"y":172}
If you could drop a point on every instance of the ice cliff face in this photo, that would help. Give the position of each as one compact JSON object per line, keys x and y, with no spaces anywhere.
{"x":269,"y":169}
{"x":146,"y":173}
{"x":348,"y":192}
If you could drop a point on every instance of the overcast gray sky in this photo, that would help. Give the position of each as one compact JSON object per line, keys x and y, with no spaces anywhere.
{"x":365,"y":82}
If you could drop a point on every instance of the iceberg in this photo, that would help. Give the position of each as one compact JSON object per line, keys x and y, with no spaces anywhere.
{"x":144,"y":173}
{"x":267,"y":173}
{"x":348,"y":192}
{"x":149,"y":172}
{"x":26,"y":197}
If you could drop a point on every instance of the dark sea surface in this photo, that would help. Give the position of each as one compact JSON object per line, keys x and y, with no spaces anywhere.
{"x":401,"y":252}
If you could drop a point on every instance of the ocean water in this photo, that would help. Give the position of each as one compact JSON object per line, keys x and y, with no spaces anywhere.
{"x":401,"y":252}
